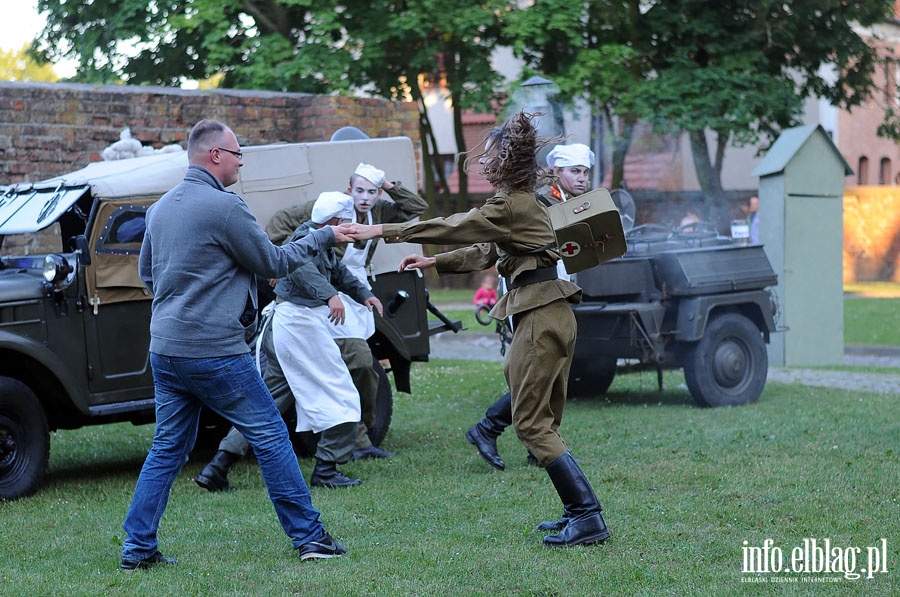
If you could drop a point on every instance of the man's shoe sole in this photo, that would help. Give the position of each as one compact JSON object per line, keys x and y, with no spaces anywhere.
{"x":151,"y":562}
{"x":325,"y":548}
{"x":319,"y":556}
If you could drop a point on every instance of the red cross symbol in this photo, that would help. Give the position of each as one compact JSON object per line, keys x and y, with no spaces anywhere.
{"x":570,"y":249}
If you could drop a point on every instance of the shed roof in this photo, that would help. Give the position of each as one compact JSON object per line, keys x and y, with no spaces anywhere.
{"x":788,"y":144}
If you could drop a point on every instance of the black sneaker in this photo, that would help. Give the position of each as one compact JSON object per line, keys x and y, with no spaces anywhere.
{"x":323,"y":548}
{"x":156,"y":559}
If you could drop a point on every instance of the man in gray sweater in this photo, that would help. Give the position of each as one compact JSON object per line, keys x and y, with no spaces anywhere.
{"x":200,"y":254}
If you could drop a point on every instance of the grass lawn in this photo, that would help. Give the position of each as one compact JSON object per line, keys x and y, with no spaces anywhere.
{"x":685,"y":491}
{"x":872,"y":321}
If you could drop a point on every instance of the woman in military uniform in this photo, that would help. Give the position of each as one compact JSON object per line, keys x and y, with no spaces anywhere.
{"x":512,"y":231}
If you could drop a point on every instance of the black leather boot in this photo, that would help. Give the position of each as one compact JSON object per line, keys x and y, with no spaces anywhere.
{"x":326,"y":474}
{"x":214,"y":476}
{"x":554,"y":526}
{"x":586,"y":525}
{"x":483,"y":435}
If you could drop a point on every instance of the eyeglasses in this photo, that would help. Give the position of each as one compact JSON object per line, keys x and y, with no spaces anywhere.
{"x":237,"y":154}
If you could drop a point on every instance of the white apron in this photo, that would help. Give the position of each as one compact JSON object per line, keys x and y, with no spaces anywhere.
{"x":312,"y":364}
{"x":359,"y":322}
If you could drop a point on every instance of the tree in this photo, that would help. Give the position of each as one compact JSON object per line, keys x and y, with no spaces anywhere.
{"x":591,"y":51}
{"x":379,"y":47}
{"x":20,"y":66}
{"x":741,"y":70}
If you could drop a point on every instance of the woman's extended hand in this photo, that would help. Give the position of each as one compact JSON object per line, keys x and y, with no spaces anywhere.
{"x":365,"y":232}
{"x":416,"y":262}
{"x":343,"y":233}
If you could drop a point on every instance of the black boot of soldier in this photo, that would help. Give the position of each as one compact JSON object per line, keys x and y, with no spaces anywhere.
{"x":554,"y":526}
{"x":483,"y":435}
{"x":214,"y":476}
{"x":585,"y":525}
{"x":326,"y":474}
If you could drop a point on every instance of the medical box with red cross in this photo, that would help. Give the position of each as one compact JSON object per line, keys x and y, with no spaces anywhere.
{"x":588,"y":230}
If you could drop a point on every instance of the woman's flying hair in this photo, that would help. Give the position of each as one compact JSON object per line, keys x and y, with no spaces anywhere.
{"x":509,"y":159}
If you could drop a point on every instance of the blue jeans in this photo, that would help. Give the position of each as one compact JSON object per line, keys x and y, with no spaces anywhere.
{"x":230,"y":386}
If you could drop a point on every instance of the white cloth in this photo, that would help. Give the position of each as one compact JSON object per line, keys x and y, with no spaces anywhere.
{"x":332,"y":204}
{"x":359,"y":322}
{"x":577,"y":154}
{"x":319,"y":379}
{"x":370,"y":173}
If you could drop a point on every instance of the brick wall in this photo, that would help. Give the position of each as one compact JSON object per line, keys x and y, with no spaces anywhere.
{"x":47,"y":129}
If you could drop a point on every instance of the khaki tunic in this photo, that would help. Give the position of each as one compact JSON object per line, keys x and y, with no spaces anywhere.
{"x":404,"y":206}
{"x":513,"y":232}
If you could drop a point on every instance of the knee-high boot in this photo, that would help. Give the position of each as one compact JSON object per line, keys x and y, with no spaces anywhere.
{"x":483,"y":434}
{"x":585,"y":525}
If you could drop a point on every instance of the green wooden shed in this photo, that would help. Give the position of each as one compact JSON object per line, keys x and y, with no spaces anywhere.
{"x":801,"y":190}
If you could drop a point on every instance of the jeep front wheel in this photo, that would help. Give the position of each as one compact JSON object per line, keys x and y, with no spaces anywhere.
{"x":24,"y":440}
{"x":729,"y":364}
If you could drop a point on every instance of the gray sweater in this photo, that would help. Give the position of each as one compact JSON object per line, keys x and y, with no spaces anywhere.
{"x":200,"y":252}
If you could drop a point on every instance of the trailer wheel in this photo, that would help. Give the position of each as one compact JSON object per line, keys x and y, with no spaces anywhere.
{"x":728,"y":366}
{"x":24,"y":440}
{"x":305,"y":442}
{"x":588,"y":378}
{"x":384,"y":407}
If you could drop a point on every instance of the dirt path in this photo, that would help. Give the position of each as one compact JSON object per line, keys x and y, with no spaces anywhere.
{"x":486,"y":347}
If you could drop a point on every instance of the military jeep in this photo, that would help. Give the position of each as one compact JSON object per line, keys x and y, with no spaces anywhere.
{"x":690,"y":299}
{"x":74,"y":324}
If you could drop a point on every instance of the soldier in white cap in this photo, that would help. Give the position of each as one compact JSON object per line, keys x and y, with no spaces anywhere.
{"x":570,"y":169}
{"x":367,"y":186}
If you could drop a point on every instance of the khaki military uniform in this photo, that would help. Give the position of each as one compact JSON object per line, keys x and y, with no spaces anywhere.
{"x":405,"y":206}
{"x":513,"y":232}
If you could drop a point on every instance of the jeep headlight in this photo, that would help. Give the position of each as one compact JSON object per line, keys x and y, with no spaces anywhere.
{"x":56,"y":268}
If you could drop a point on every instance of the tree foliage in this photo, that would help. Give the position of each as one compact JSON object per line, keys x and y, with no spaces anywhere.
{"x":742,"y":69}
{"x":20,"y":66}
{"x":325,"y":46}
{"x":590,"y":50}
{"x":736,"y":71}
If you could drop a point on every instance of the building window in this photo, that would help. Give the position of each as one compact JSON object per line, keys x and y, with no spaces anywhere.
{"x":888,"y":81}
{"x":862,"y":172}
{"x":884,"y":171}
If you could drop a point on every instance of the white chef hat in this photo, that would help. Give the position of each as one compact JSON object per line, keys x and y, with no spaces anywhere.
{"x":332,"y":204}
{"x":577,"y":154}
{"x":370,"y":173}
